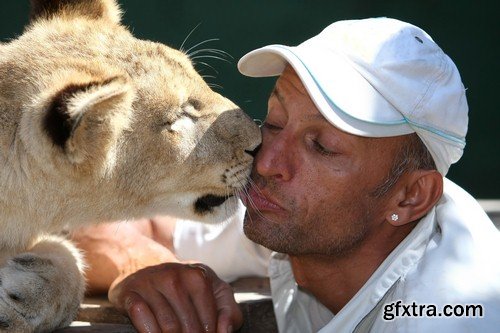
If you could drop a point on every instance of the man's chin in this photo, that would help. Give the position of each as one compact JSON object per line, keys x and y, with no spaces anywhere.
{"x":253,"y":227}
{"x":264,"y":232}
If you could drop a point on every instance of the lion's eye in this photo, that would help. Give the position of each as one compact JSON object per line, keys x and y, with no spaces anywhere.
{"x":196,"y":103}
{"x":182,"y":124}
{"x":166,"y":123}
{"x":192,"y":106}
{"x":185,"y":117}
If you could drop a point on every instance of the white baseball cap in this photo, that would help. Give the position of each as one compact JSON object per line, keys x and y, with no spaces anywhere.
{"x":377,"y":77}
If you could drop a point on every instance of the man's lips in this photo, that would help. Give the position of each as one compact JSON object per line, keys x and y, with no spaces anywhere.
{"x":258,"y":200}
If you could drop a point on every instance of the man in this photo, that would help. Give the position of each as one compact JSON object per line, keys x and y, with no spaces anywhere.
{"x":348,"y":189}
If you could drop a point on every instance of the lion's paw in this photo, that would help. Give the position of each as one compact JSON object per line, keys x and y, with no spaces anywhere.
{"x":32,"y":298}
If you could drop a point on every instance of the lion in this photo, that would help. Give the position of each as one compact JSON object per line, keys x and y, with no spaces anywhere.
{"x":96,"y":125}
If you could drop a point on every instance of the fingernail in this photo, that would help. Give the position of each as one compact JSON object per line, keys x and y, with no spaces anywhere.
{"x":230,"y":329}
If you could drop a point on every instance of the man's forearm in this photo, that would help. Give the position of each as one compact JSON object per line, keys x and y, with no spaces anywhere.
{"x":115,"y":250}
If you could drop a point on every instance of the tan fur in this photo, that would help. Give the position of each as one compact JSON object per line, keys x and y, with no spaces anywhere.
{"x":96,"y":125}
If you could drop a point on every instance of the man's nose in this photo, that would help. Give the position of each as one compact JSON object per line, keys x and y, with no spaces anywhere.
{"x":274,"y":158}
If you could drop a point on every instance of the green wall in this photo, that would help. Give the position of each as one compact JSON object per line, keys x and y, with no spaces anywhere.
{"x":468,"y":31}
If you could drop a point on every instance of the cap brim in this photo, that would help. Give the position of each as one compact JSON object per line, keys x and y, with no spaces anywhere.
{"x":339,"y":91}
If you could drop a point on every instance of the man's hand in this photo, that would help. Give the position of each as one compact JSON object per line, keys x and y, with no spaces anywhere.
{"x":176,"y":297}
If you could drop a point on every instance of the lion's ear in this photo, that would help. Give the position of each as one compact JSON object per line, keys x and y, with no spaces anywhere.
{"x":86,"y":119}
{"x":92,"y":9}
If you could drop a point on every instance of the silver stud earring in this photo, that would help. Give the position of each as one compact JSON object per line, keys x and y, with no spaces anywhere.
{"x":394,"y":217}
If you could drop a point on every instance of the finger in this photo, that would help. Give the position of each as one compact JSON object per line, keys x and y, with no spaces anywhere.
{"x":140,"y":314}
{"x":179,"y":300}
{"x":202,"y":297}
{"x":163,"y":312}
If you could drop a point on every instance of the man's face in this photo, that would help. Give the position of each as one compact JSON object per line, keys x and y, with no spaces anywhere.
{"x":313,"y":184}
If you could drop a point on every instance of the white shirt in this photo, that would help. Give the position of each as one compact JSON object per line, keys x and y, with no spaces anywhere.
{"x":451,"y":257}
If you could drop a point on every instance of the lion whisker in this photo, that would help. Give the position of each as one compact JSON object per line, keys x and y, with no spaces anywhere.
{"x":205,"y":64}
{"x":187,"y":37}
{"x":210,"y":56}
{"x":200,"y":43}
{"x":208,"y":76}
{"x":244,"y":190}
{"x":214,"y":51}
{"x":215,"y":85}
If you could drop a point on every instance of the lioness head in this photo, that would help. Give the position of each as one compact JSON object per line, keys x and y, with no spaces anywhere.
{"x":95,"y":120}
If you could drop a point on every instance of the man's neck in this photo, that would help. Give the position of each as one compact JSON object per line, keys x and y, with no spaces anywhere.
{"x":334,"y":280}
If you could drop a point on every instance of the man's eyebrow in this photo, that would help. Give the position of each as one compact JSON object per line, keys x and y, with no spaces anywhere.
{"x":317,"y":116}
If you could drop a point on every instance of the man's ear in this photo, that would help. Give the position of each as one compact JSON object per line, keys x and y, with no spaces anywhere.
{"x":84,"y":119}
{"x":416,"y":193}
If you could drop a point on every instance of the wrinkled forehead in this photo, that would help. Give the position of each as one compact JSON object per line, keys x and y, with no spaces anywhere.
{"x":291,"y":76}
{"x":289,"y":88}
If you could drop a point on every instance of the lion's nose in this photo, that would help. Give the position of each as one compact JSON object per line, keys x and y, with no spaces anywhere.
{"x":253,"y":134}
{"x":238,"y":128}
